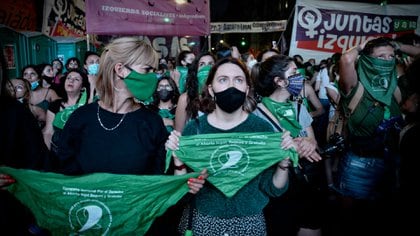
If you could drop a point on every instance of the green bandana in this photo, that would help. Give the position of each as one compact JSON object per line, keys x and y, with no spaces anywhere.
{"x":232,"y":159}
{"x":285,"y":114}
{"x":96,"y":204}
{"x":379,"y":77}
{"x":166,"y":113}
{"x":183,"y":71}
{"x":61,"y":117}
{"x":202,"y":75}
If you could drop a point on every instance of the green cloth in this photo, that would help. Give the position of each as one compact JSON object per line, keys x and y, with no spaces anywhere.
{"x":96,"y":204}
{"x":378,"y":76}
{"x":166,"y":113}
{"x":202,"y":75}
{"x":285,"y":113}
{"x":232,"y":159}
{"x":183,"y":71}
{"x":61,"y":117}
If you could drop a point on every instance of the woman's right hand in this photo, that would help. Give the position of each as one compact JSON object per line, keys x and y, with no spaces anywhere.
{"x":173,"y":141}
{"x":6,"y":180}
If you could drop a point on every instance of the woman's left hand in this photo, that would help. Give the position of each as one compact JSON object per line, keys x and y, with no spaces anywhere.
{"x":195,"y":184}
{"x":307,"y":148}
{"x":287,"y":141}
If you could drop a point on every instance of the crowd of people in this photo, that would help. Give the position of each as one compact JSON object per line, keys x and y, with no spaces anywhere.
{"x":125,"y":111}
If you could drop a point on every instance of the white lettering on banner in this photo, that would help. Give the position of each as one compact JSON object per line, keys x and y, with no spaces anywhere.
{"x":106,"y":8}
{"x":248,"y":27}
{"x":342,"y":29}
{"x":161,"y":46}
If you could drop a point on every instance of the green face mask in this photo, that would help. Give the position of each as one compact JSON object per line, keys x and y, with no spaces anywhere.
{"x":142,"y":86}
{"x":202,"y":75}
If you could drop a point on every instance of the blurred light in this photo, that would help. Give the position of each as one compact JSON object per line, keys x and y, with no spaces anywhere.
{"x":243,"y":43}
{"x":221,"y":41}
{"x":180,"y":1}
{"x":192,"y":43}
{"x":166,"y":20}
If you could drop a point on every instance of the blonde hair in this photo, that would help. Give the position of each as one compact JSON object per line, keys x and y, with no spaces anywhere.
{"x":127,"y":51}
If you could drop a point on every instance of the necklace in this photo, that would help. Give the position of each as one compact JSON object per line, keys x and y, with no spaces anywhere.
{"x":103,"y":126}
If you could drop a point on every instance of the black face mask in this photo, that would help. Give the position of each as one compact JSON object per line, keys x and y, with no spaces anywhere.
{"x":230,"y":100}
{"x":165,"y":95}
{"x":47,"y":79}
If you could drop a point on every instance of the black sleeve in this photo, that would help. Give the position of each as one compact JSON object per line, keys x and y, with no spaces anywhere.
{"x":21,"y":141}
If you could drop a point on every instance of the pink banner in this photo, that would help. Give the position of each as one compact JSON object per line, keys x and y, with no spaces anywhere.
{"x":153,"y":17}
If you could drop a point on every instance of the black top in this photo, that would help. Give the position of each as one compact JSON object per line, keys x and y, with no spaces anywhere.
{"x":21,"y":141}
{"x":136,"y":146}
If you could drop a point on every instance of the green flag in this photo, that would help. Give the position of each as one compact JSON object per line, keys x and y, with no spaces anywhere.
{"x":232,"y":159}
{"x":96,"y":204}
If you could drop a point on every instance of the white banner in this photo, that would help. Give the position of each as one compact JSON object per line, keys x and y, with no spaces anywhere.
{"x":248,"y":27}
{"x":321,"y":28}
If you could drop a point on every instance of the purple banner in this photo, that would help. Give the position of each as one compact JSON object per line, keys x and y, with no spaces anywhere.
{"x":128,"y":17}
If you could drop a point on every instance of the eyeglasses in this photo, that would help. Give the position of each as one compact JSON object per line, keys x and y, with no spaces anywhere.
{"x":166,"y":86}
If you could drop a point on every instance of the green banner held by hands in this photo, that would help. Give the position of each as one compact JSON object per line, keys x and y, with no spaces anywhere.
{"x":232,"y":159}
{"x":96,"y":204}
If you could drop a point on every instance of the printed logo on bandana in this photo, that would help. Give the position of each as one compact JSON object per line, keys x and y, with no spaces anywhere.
{"x":232,"y":159}
{"x":90,"y":216}
{"x":380,"y":83}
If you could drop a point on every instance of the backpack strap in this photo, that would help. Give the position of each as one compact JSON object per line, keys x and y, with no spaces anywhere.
{"x":279,"y":129}
{"x":356,"y":98}
{"x":358,"y":95}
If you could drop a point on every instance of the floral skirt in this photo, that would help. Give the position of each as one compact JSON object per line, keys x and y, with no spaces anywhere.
{"x":212,"y":226}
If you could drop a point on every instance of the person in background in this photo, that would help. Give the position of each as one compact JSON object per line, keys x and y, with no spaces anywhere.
{"x":19,"y":89}
{"x":277,"y":81}
{"x":366,"y":177}
{"x":77,"y":90}
{"x":91,"y":66}
{"x":58,"y":66}
{"x":188,"y":107}
{"x":162,"y":71}
{"x":165,"y":100}
{"x":72,"y":63}
{"x":47,"y":73}
{"x":263,"y":55}
{"x":321,"y":121}
{"x":230,"y":110}
{"x":40,"y":97}
{"x":184,"y":60}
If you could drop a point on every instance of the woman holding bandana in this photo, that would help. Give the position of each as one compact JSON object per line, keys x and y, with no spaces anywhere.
{"x":229,"y":104}
{"x":277,"y":81}
{"x":118,"y":134}
{"x":366,"y":174}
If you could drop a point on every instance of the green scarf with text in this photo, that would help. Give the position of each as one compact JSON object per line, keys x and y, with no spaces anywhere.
{"x":96,"y":204}
{"x":232,"y":159}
